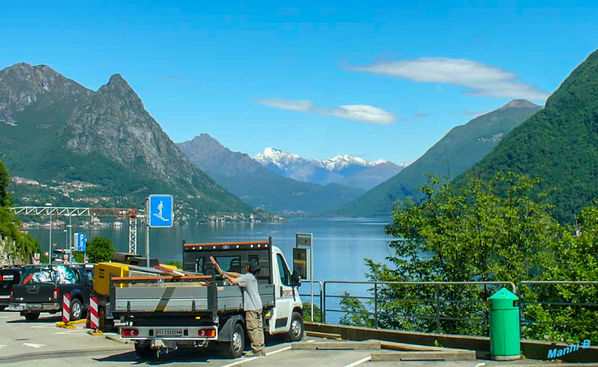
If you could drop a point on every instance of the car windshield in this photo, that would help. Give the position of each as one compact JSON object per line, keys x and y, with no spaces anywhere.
{"x":58,"y":274}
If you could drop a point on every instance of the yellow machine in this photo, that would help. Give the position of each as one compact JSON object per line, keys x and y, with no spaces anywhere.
{"x":102,"y":272}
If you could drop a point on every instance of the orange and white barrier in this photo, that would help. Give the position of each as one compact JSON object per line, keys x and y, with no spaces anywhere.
{"x":93,"y":314}
{"x":66,"y":308}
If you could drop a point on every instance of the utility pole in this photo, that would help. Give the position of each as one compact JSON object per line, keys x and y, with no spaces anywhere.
{"x":70,"y":239}
{"x":50,"y":238}
{"x":147,"y":230}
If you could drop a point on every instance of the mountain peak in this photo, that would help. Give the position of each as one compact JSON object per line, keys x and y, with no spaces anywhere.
{"x":116,"y":80}
{"x":519,"y":103}
{"x":118,"y":87}
{"x":204,"y":139}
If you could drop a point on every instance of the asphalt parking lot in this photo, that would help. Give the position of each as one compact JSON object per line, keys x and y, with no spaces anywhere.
{"x":42,"y":343}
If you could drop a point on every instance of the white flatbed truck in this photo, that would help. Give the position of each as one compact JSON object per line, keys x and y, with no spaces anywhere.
{"x":164,"y":313}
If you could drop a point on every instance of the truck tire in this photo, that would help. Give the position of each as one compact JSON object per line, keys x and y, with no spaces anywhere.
{"x":32,"y":316}
{"x":76,"y":309}
{"x":296,"y":329}
{"x":145,"y":351}
{"x":236,"y":346}
{"x":105,"y":323}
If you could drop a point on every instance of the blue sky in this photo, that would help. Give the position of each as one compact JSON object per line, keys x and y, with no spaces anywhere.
{"x":372,"y":79}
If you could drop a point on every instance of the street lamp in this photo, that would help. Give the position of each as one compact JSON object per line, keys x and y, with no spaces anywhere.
{"x":70,"y":243}
{"x":50,"y":238}
{"x":66,"y":239}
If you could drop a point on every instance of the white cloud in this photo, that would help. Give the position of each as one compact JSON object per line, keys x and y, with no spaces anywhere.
{"x":363,"y":113}
{"x":481,"y":79}
{"x":287,"y":104}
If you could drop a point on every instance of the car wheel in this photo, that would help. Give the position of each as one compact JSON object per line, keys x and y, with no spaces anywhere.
{"x":235,"y":348}
{"x":32,"y":316}
{"x":296,"y":330}
{"x":76,"y":309}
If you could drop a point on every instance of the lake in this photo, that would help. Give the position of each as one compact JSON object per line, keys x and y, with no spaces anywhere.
{"x":340,"y":244}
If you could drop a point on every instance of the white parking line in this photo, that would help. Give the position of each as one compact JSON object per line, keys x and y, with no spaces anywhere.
{"x":359,"y":362}
{"x":69,"y":332}
{"x":31,"y":345}
{"x":245,"y":360}
{"x":277,"y":351}
{"x":240,"y":362}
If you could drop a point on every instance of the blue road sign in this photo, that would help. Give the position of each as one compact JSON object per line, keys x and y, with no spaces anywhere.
{"x":81,"y":242}
{"x":160,"y":211}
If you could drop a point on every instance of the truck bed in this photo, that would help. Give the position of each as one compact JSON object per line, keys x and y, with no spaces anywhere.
{"x":178,"y":298}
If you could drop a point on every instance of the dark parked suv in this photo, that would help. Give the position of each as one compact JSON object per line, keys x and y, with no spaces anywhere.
{"x":42,"y":287}
{"x":8,"y":278}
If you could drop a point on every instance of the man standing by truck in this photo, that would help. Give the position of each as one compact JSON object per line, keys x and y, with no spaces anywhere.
{"x":252,"y":305}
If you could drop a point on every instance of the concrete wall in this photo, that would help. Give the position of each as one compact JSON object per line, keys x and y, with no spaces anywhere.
{"x":530,"y":349}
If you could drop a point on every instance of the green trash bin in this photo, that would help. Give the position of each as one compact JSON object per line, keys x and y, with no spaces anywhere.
{"x":504,"y":326}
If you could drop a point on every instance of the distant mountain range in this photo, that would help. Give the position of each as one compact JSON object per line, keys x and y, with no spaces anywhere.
{"x":458,"y":150}
{"x":258,"y":186}
{"x":342,"y":169}
{"x":558,"y":144}
{"x":73,"y":146}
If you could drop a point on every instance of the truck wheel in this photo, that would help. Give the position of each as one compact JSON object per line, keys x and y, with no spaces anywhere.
{"x":145,"y":352}
{"x":234,"y":348}
{"x":76,"y":309}
{"x":105,"y":324}
{"x":32,"y":316}
{"x":296,"y":330}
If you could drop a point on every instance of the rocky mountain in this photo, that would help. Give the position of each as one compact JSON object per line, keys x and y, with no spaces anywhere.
{"x":53,"y":131}
{"x":253,"y":183}
{"x":558,"y":144}
{"x":342,"y":169}
{"x":458,"y":150}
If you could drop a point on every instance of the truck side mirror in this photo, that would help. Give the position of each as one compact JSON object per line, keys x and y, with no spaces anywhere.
{"x":295,"y":279}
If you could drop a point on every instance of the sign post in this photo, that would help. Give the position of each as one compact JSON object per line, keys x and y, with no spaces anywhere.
{"x":79,"y":244}
{"x":306,"y":240}
{"x":159,"y":214}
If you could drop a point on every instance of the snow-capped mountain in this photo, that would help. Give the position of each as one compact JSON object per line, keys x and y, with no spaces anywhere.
{"x":344,"y":169}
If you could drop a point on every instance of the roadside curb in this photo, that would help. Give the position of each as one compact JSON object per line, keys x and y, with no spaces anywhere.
{"x":116,"y":338}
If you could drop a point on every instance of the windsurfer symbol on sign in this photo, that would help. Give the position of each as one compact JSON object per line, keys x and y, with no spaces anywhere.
{"x":159,"y":213}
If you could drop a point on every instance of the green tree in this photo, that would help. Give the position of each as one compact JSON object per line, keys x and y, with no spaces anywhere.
{"x":570,"y":321}
{"x":100,"y":249}
{"x":5,"y":199}
{"x":307,"y":313}
{"x":484,"y":231}
{"x":10,"y":227}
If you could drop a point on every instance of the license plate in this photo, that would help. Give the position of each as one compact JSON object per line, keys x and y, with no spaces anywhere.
{"x":8,"y":277}
{"x":169,"y":332}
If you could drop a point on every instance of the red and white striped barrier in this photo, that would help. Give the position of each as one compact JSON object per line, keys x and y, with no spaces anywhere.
{"x":93,"y":313}
{"x":66,"y":308}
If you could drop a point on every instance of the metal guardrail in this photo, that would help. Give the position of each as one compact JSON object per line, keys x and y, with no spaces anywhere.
{"x":321,"y":287}
{"x":524,"y":303}
{"x":437,"y":301}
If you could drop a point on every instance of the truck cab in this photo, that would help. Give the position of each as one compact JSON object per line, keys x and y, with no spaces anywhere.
{"x":198,"y":309}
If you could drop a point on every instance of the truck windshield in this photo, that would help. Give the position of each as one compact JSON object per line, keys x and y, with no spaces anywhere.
{"x":58,"y":274}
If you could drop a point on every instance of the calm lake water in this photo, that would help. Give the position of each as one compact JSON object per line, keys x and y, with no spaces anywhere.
{"x":340,"y":244}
